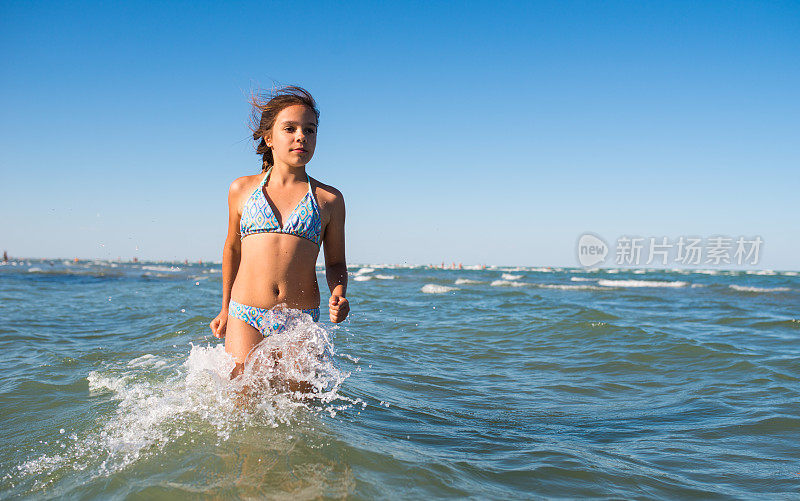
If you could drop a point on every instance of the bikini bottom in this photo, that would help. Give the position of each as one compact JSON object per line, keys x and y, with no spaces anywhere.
{"x":267,"y":320}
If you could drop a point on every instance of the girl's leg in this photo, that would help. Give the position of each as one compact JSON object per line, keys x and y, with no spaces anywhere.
{"x":240,"y":338}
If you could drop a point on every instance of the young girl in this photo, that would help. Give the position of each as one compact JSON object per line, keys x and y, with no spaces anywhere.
{"x":277,"y":221}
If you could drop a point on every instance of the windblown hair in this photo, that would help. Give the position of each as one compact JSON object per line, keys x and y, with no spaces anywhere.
{"x":265,"y":108}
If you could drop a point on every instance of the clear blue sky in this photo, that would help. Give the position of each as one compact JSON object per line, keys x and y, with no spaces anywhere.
{"x":478,"y":132}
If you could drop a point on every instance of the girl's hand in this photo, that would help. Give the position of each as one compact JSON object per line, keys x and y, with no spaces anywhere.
{"x":339,"y":308}
{"x":220,"y":324}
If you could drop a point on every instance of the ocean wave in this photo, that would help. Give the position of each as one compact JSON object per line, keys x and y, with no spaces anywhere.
{"x":746,"y":288}
{"x":569,"y":287}
{"x":640,"y":283}
{"x":509,"y":276}
{"x":362,"y":278}
{"x":582,"y":279}
{"x":159,"y":402}
{"x":147,"y":360}
{"x":436,"y":289}
{"x":792,"y":323}
{"x":385,"y":277}
{"x":507,"y":283}
{"x":160,"y":268}
{"x":464,"y":281}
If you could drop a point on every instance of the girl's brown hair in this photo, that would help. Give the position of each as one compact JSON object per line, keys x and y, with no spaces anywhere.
{"x":266,"y":107}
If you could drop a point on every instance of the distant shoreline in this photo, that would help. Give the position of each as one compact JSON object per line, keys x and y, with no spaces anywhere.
{"x":15,"y":260}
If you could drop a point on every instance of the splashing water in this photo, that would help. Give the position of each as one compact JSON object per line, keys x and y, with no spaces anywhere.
{"x":291,"y":368}
{"x":162,"y":401}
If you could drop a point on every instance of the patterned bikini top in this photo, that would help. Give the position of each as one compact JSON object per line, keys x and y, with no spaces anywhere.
{"x":305,"y":220}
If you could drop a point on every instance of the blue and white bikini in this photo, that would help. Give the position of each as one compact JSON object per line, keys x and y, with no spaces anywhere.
{"x":305,"y":221}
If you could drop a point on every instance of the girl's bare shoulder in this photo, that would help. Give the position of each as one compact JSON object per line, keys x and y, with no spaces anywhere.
{"x":240,"y":189}
{"x":327,"y":194}
{"x":244,"y":183}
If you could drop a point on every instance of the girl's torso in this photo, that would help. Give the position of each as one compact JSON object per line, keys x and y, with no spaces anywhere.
{"x":280,"y":243}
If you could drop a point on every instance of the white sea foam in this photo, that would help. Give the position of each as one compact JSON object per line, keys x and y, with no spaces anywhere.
{"x":707,"y":272}
{"x":436,"y":289}
{"x":761,"y":272}
{"x":385,"y":277}
{"x":158,"y":401}
{"x":160,"y":268}
{"x":640,"y":283}
{"x":790,"y":273}
{"x":507,"y":283}
{"x":542,"y":270}
{"x":34,"y":269}
{"x":745,"y":288}
{"x":464,"y":281}
{"x":568,"y":287}
{"x":509,"y":276}
{"x":98,"y":382}
{"x":362,"y":278}
{"x":147,"y":360}
{"x":582,"y":279}
{"x":364,"y":270}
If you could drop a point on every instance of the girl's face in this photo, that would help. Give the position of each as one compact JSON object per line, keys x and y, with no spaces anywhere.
{"x":293,"y":136}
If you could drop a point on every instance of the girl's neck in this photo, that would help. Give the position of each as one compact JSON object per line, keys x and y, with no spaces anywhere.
{"x":283,"y":174}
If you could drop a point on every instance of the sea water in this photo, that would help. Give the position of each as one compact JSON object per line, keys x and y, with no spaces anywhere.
{"x":483,"y":383}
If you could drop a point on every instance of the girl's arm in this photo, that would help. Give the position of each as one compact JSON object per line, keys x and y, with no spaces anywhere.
{"x":231,"y":253}
{"x":335,"y":263}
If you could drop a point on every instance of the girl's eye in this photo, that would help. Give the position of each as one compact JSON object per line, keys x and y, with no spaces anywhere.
{"x":289,"y":129}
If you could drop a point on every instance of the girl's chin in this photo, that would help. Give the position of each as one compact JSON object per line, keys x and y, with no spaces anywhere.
{"x":297,"y":159}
